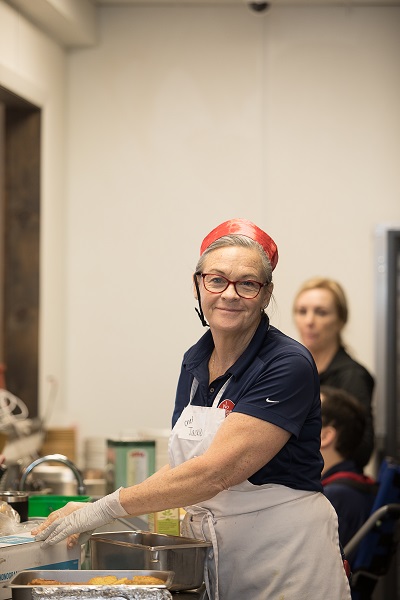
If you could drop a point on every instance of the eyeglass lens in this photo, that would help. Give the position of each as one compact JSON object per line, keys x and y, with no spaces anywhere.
{"x":245,"y":289}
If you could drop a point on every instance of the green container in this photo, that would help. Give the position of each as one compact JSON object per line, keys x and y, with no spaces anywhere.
{"x":43,"y":505}
{"x":129,"y":462}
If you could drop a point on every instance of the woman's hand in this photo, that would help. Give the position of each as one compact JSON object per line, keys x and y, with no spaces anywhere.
{"x":66,"y":510}
{"x":78,"y":517}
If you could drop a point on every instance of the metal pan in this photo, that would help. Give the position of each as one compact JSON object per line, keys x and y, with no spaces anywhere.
{"x":147,"y":550}
{"x":22,"y":590}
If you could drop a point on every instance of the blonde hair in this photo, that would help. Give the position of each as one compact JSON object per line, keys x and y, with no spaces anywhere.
{"x":339,"y":296}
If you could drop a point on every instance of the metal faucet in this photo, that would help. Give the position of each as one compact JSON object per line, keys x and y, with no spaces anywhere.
{"x":60,"y":458}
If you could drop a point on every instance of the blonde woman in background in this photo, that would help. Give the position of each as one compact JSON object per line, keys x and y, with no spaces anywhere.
{"x":320,"y":312}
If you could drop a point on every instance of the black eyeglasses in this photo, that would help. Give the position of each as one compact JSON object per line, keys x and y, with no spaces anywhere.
{"x":216,"y":284}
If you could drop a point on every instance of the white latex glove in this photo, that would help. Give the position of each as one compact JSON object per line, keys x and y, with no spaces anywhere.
{"x":60,"y":513}
{"x":86,"y":519}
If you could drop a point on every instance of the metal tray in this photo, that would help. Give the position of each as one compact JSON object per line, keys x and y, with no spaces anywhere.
{"x":146,"y":550}
{"x":22,"y":590}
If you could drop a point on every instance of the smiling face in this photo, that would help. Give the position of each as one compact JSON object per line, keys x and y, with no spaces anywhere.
{"x":228,"y":312}
{"x":317,"y":320}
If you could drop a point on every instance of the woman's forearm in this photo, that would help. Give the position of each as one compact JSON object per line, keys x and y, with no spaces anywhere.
{"x":242,"y":445}
{"x":184,"y":485}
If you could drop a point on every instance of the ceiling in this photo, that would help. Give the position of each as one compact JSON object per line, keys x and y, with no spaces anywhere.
{"x":116,"y":3}
{"x":73,"y":23}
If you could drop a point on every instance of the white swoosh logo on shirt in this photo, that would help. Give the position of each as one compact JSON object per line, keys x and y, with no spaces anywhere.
{"x":271,"y":401}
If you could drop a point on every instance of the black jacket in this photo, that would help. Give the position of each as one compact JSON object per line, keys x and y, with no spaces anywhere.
{"x":347,"y":374}
{"x":352,"y":500}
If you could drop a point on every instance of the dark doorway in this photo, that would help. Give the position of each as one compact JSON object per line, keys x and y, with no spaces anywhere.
{"x":20,"y":245}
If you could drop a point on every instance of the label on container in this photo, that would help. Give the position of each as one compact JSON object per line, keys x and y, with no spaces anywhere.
{"x":166,"y":521}
{"x":137,"y":466}
{"x":130,"y":462}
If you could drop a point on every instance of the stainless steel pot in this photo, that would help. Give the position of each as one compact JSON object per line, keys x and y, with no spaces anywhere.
{"x":144,"y":550}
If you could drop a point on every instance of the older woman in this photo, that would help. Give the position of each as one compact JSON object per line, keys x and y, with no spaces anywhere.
{"x":320,"y":312}
{"x":244,"y":451}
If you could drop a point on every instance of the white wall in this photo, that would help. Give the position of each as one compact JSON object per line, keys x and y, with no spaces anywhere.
{"x":180,"y":118}
{"x":333,"y":151}
{"x":166,"y":141}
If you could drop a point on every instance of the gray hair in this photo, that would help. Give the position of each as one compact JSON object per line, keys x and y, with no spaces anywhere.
{"x":244,"y":242}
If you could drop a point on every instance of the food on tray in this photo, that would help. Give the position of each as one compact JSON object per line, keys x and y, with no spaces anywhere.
{"x":146,"y":580}
{"x":44,"y":582}
{"x":106,"y":580}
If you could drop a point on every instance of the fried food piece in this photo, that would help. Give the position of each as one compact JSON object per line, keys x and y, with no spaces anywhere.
{"x":106,"y":580}
{"x":51,"y":582}
{"x":44,"y":582}
{"x":146,"y":580}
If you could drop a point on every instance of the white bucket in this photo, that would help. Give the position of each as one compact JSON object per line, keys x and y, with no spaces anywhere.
{"x":161,"y":437}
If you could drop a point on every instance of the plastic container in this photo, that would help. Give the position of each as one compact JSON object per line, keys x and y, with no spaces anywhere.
{"x":161,"y":437}
{"x":129,"y":462}
{"x":42,"y":506}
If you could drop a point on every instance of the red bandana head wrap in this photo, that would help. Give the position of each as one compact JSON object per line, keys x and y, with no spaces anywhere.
{"x":246,"y":228}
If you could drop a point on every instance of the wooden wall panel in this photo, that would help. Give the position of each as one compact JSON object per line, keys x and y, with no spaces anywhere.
{"x":2,"y":216}
{"x":21,"y":254}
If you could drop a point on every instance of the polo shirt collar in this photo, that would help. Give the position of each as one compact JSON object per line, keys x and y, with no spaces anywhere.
{"x":201,"y":351}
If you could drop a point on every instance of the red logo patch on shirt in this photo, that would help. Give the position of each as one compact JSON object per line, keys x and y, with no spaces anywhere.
{"x":228,"y":405}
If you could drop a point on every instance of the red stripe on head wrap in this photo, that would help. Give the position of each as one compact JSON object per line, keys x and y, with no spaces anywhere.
{"x":246,"y":228}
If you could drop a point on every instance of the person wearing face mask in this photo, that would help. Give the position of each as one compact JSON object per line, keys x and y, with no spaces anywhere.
{"x":320,"y":313}
{"x":244,"y":454}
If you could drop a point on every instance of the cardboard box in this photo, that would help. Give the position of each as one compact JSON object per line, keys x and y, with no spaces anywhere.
{"x":20,"y":551}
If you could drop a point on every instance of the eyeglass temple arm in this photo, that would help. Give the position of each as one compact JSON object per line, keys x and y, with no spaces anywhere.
{"x":199,"y":310}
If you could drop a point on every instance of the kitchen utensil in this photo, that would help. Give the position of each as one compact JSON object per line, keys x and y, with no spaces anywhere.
{"x":145,"y":550}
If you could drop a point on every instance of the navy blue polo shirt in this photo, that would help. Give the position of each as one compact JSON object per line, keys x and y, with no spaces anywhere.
{"x":276,"y":380}
{"x":352,"y":504}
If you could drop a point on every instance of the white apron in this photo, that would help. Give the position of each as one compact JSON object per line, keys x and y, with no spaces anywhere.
{"x":270,"y":542}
